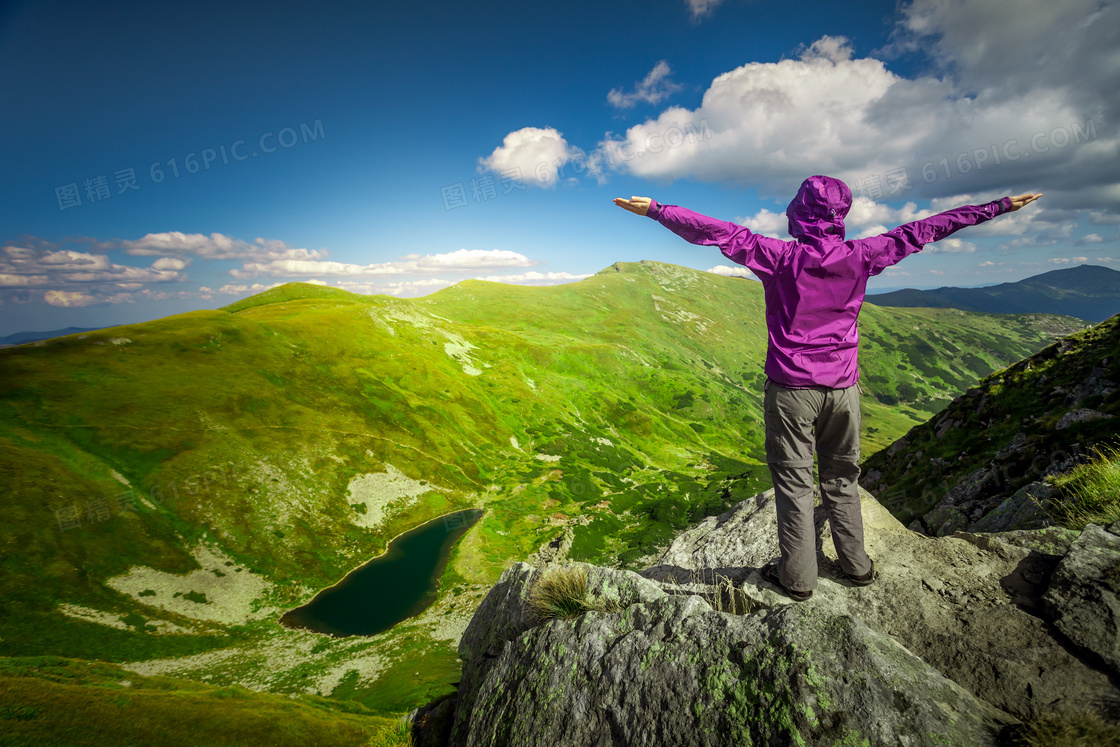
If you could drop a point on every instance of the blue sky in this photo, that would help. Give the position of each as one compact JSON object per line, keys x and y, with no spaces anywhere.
{"x":377,"y":147}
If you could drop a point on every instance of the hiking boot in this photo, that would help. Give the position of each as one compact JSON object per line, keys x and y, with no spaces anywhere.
{"x":770,"y":573}
{"x":864,"y":580}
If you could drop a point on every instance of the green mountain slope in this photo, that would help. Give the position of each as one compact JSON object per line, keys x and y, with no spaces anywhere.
{"x":172,"y":487}
{"x":1087,"y":292}
{"x":1039,"y":417}
{"x":50,"y":700}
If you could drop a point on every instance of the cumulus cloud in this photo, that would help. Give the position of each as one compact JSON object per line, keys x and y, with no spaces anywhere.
{"x":1067,"y":260}
{"x":78,"y":278}
{"x":535,"y":156}
{"x":402,"y":288}
{"x":1018,"y":95}
{"x":950,"y":246}
{"x":732,"y":272}
{"x":170,"y":263}
{"x":68,"y":298}
{"x":535,"y":278}
{"x":774,"y":225}
{"x":215,"y":246}
{"x":651,"y":89}
{"x":236,"y":288}
{"x":461,"y":260}
{"x":424,"y":286}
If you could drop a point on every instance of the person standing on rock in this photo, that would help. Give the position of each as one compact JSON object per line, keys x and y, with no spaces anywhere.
{"x":814,"y":287}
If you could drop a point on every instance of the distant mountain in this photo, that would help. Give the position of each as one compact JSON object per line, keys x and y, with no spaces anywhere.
{"x":1089,"y":292}
{"x":20,"y":338}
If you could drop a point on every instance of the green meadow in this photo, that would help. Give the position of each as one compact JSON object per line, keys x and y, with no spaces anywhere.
{"x":172,"y":487}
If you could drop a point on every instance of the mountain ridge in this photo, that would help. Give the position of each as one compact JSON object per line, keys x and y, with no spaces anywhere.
{"x":1090,"y":292}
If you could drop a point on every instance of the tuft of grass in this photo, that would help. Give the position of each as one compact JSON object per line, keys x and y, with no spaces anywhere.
{"x":1090,"y":492}
{"x":721,"y":593}
{"x":561,"y":593}
{"x":397,"y":735}
{"x":725,"y":596}
{"x":1085,"y":729}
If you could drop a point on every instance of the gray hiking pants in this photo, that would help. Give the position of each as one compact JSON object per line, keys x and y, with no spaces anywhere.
{"x":799,"y":421}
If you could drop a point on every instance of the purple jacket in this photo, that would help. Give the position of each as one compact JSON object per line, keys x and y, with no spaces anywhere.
{"x":814,"y":285}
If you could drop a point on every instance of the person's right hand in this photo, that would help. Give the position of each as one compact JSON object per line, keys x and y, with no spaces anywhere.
{"x":1019,"y":201}
{"x":639,"y":205}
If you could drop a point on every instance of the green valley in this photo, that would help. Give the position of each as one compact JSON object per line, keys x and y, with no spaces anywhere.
{"x":172,"y":487}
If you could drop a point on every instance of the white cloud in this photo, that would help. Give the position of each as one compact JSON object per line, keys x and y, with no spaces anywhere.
{"x":535,"y":155}
{"x":950,"y":245}
{"x":652,"y":88}
{"x":1089,"y":238}
{"x":22,"y":266}
{"x":1067,"y":260}
{"x":461,"y":260}
{"x":535,"y":278}
{"x":1029,"y":82}
{"x":424,"y":286}
{"x":774,"y":225}
{"x":236,"y":288}
{"x":68,"y":298}
{"x":170,"y":263}
{"x":215,"y":246}
{"x":732,"y":272}
{"x":404,"y":288}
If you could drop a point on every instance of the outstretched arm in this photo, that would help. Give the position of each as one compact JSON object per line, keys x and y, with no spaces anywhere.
{"x":738,"y":243}
{"x":893,"y":246}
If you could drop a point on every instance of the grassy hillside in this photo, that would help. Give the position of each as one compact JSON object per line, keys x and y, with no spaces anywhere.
{"x":50,"y":700}
{"x":172,"y":487}
{"x":1038,"y":417}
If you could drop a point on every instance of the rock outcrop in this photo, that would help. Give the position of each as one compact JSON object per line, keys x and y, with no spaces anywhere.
{"x":959,"y":640}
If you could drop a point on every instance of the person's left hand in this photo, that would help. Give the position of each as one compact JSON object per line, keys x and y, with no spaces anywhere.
{"x":639,"y":205}
{"x":1019,"y":201}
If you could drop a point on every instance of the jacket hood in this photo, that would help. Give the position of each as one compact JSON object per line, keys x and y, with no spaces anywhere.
{"x":819,"y":209}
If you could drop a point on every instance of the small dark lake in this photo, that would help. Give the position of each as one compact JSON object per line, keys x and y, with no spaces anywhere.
{"x":392,"y":587}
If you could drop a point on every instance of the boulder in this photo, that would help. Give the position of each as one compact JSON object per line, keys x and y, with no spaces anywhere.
{"x":952,"y":643}
{"x":673,"y":671}
{"x":1080,"y":415}
{"x":1026,"y":509}
{"x":1084,"y":595}
{"x":936,"y":596}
